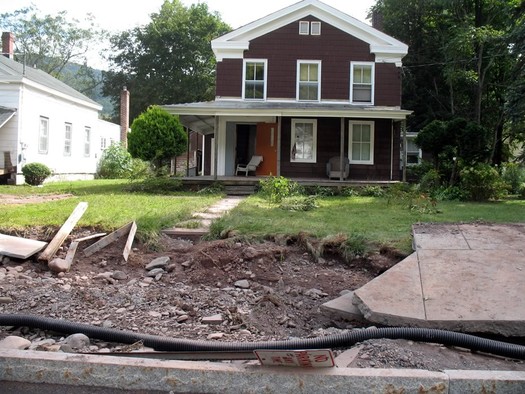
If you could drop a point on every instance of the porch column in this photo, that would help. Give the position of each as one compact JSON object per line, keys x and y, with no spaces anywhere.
{"x":216,"y":147}
{"x":404,"y":160}
{"x":188,"y":152}
{"x":391,"y":149}
{"x":342,"y":150}
{"x":279,"y":118}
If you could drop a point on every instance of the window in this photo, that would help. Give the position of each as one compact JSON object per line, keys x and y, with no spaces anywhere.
{"x":361,"y":142}
{"x":362,"y":77}
{"x":413,"y":155}
{"x":304,"y":141}
{"x":304,"y":28}
{"x":308,"y":80}
{"x":87,"y":141}
{"x":43,"y":135}
{"x":316,"y":28}
{"x":254,"y":87}
{"x":103,"y":143}
{"x":67,"y":139}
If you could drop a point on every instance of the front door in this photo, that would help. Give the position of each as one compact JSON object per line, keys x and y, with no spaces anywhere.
{"x":266,"y":146}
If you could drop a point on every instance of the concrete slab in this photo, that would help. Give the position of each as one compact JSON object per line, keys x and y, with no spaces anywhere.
{"x":344,"y":307}
{"x":395,"y":297}
{"x":486,"y":382}
{"x":494,"y":236}
{"x":20,"y":248}
{"x":438,"y":236}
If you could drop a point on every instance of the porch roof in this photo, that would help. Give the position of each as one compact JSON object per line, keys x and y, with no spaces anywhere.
{"x":200,"y":117}
{"x":6,"y":114}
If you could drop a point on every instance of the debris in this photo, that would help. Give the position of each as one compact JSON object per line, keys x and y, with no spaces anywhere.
{"x":59,"y":265}
{"x":87,"y":238}
{"x":108,"y":239}
{"x":129,"y":242}
{"x":215,"y":319}
{"x":15,"y":343}
{"x":242,"y":284}
{"x":159,"y":262}
{"x":20,"y":248}
{"x":64,"y":231}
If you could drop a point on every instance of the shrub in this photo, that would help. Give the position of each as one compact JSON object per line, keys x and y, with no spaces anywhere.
{"x":35,"y":173}
{"x":140,"y":169}
{"x":482,"y":182}
{"x":430,"y":181}
{"x":275,"y":189}
{"x":514,"y":175}
{"x":156,"y":185}
{"x":372,"y":191}
{"x":115,"y":163}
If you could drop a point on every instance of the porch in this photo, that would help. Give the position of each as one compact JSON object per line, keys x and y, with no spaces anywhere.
{"x":242,"y":185}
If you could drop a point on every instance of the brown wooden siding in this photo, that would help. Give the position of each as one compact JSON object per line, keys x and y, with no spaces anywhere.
{"x":335,"y":48}
{"x":328,"y":137}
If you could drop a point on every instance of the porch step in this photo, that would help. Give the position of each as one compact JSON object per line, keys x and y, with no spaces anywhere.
{"x":239,"y":190}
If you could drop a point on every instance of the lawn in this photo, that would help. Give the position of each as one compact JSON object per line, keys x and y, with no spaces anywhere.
{"x":110,"y":207}
{"x":373,"y":217}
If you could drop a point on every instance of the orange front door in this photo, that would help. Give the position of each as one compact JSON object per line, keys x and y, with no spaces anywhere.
{"x":266,"y":146}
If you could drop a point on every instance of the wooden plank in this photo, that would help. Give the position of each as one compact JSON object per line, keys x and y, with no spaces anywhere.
{"x":129,"y":242}
{"x":87,"y":238}
{"x":19,"y":248}
{"x":64,"y":231}
{"x":108,"y":239}
{"x":71,"y":253}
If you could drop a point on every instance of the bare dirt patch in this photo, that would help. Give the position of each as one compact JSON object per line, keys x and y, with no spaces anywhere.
{"x":34,"y":199}
{"x":261,"y":290}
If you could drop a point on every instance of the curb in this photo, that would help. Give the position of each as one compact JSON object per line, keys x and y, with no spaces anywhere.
{"x":22,"y":371}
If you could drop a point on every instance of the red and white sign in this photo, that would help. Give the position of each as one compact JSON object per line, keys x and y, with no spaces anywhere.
{"x":296,"y":358}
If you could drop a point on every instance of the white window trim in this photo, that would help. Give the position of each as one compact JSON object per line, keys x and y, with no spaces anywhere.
{"x":265,"y":61}
{"x":66,"y":140}
{"x":351,"y":123}
{"x":312,"y":24}
{"x":40,"y":135}
{"x":87,"y":141}
{"x":314,"y":147}
{"x":305,"y":24}
{"x":372,"y":96}
{"x":319,"y":75}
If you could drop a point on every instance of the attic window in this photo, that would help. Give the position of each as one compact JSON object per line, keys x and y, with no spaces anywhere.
{"x":315,"y":29}
{"x":304,"y":28}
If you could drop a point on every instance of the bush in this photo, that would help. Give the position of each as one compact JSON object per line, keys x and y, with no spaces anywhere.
{"x":35,"y":173}
{"x":514,"y":176}
{"x":482,"y":182}
{"x":140,"y":169}
{"x":372,"y":191}
{"x":115,"y":163}
{"x":156,"y":185}
{"x":430,"y":182}
{"x":275,"y":189}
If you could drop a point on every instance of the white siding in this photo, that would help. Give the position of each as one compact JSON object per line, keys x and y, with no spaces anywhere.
{"x":9,"y":97}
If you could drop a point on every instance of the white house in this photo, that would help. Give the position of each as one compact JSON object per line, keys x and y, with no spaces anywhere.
{"x":44,"y":120}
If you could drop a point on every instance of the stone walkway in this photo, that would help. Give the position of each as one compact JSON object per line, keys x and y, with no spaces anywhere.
{"x":201,"y":221}
{"x":462,"y":277}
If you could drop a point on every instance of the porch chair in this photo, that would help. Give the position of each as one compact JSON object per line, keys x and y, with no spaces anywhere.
{"x":333,"y":169}
{"x":251,"y":166}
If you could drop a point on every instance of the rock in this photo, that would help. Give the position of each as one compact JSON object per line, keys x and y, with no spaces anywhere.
{"x":14,"y":343}
{"x":121,"y":310}
{"x":59,"y":265}
{"x":66,"y":287}
{"x":159,"y":262}
{"x":345,"y":291}
{"x":5,"y":300}
{"x":119,"y":275}
{"x":245,"y":332}
{"x":242,"y":284}
{"x":154,"y":314}
{"x":216,"y":335}
{"x":155,"y":271}
{"x":42,"y":344}
{"x":107,"y":324}
{"x":187,"y":264}
{"x":250,"y":252}
{"x":215,"y":319}
{"x":77,"y":341}
{"x":182,"y":318}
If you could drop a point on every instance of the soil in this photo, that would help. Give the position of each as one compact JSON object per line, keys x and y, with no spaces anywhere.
{"x":262,"y":291}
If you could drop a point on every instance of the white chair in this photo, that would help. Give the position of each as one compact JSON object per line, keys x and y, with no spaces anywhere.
{"x":251,"y":166}
{"x":333,"y":169}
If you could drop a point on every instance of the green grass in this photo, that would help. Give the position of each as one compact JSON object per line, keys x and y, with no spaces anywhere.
{"x":109,"y":207}
{"x":372,"y":217}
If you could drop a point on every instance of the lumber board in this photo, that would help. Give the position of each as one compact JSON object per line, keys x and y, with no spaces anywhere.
{"x":108,"y":239}
{"x":64,"y":231}
{"x":129,"y":242}
{"x":87,"y":238}
{"x":71,"y":253}
{"x":19,"y":248}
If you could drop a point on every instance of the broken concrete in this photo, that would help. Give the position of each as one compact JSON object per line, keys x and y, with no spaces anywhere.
{"x":19,"y":248}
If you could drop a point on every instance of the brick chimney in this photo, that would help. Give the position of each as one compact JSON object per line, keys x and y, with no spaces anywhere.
{"x":8,"y":45}
{"x":124,"y":116}
{"x":377,"y":20}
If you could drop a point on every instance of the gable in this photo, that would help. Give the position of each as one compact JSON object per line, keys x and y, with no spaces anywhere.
{"x":386,"y":49}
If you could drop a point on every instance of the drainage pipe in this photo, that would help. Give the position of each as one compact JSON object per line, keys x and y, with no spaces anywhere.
{"x":343,"y":340}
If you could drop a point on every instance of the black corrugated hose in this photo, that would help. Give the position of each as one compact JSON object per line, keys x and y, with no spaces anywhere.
{"x":343,"y":340}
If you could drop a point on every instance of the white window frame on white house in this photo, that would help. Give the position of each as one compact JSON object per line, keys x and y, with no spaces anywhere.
{"x":43,"y":135}
{"x":415,"y":153}
{"x":308,"y":82}
{"x":315,"y":28}
{"x":68,"y":135}
{"x":371,"y":83}
{"x":87,"y":141}
{"x":304,"y":28}
{"x":297,"y":143}
{"x":264,"y":84}
{"x":362,"y":144}
{"x":103,"y":143}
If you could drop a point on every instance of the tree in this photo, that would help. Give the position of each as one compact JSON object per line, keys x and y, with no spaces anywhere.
{"x":156,"y":136}
{"x":168,"y":61}
{"x":52,"y":42}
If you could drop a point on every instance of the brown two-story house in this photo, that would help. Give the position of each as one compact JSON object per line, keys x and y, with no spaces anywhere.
{"x":299,"y":87}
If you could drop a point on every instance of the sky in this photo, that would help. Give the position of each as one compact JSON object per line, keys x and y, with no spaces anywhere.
{"x":119,"y":15}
